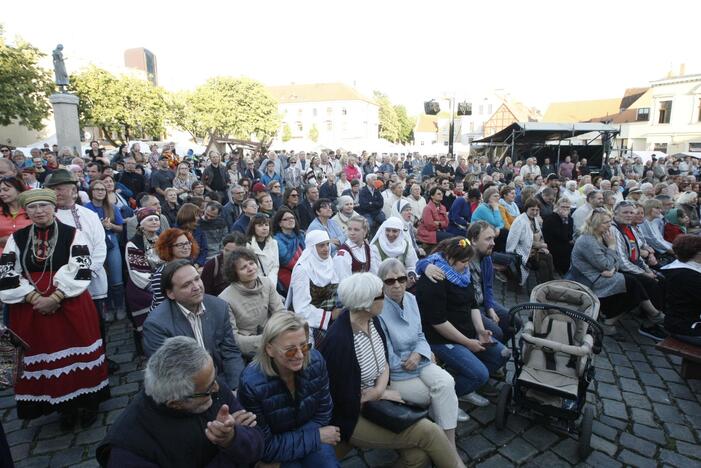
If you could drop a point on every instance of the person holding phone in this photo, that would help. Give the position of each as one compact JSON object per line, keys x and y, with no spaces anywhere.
{"x":453,"y":322}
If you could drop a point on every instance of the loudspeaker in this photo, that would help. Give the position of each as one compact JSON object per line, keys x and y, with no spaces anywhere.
{"x":431,"y":107}
{"x":464,"y":108}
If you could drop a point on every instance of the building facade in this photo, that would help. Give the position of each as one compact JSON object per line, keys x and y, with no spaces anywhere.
{"x":336,"y":112}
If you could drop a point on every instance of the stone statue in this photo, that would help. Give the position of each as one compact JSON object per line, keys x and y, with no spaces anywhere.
{"x":60,"y":67}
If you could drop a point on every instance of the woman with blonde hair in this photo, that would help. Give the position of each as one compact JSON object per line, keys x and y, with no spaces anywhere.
{"x":287,"y":388}
{"x":595,"y":263}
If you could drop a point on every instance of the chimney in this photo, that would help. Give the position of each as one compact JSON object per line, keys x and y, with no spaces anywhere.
{"x":682,"y":69}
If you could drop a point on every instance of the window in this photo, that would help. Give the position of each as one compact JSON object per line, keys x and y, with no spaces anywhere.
{"x":489,"y":109}
{"x":481,"y":109}
{"x":344,"y":111}
{"x":698,"y":117}
{"x":329,"y":111}
{"x":329,"y":125}
{"x":665,"y":112}
{"x":643,"y":114}
{"x":660,"y":147}
{"x":422,"y":142}
{"x":300,"y":127}
{"x":314,"y":112}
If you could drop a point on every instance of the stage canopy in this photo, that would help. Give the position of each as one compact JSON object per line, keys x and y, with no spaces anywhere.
{"x":536,"y":132}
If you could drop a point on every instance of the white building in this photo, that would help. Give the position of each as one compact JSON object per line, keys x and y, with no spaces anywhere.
{"x":340,"y":114}
{"x":667,"y":117}
{"x":434,"y":130}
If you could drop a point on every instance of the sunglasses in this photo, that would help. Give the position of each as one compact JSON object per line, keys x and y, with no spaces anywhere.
{"x":292,"y":352}
{"x":391,"y":281}
{"x":379,"y":298}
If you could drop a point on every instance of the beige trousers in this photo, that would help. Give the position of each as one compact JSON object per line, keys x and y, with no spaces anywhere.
{"x":435,"y":388}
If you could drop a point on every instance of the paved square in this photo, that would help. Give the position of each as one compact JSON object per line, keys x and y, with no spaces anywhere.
{"x":646,"y":415}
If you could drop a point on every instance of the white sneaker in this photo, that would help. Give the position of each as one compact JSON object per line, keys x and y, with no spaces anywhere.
{"x":463,"y":416}
{"x":474,"y":398}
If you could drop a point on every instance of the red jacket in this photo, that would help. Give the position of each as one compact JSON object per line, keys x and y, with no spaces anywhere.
{"x":427,"y":227}
{"x":671,"y":231}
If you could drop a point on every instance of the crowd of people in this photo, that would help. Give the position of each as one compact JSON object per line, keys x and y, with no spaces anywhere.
{"x":277,"y":295}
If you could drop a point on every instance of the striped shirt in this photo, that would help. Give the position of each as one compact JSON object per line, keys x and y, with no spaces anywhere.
{"x":371,"y":356}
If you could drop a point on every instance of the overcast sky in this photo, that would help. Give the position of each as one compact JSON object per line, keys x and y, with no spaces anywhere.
{"x":539,"y":51}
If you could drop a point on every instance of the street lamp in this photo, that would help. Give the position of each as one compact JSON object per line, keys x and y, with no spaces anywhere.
{"x":464,"y":108}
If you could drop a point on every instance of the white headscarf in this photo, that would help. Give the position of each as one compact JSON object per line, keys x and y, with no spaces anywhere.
{"x":397,"y":208}
{"x":321,"y":272}
{"x":396,"y":248}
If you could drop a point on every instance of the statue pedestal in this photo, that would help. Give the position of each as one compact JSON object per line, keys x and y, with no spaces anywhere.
{"x":66,"y":120}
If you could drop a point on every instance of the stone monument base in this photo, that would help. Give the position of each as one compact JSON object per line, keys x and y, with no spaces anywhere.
{"x":66,"y":120}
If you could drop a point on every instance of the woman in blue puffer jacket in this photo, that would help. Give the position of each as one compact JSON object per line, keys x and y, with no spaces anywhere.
{"x":287,"y":387}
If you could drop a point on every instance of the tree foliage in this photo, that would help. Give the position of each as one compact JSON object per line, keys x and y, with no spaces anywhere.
{"x":406,"y":125}
{"x":123,"y":107}
{"x":235,"y":107}
{"x":286,"y":132}
{"x":24,"y":86}
{"x":389,"y":122}
{"x":314,"y":133}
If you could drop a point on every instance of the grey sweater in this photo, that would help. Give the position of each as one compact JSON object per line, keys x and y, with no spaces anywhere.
{"x":590,"y":257}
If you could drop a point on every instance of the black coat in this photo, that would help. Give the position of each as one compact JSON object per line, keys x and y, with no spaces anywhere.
{"x":558,"y":236}
{"x":305,"y":214}
{"x":344,"y":372}
{"x":683,"y":299}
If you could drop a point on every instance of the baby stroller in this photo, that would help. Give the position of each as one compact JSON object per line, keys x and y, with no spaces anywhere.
{"x":554,"y":359}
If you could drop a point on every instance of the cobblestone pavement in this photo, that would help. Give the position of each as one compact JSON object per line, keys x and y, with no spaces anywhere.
{"x":646,"y":415}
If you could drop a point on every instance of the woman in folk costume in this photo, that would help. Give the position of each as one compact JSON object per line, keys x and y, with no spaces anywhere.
{"x":313,"y":287}
{"x":142,"y":261}
{"x":355,"y":254}
{"x":390,"y":242}
{"x":45,"y":285}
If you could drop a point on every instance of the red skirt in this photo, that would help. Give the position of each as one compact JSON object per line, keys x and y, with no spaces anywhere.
{"x":65,"y":361}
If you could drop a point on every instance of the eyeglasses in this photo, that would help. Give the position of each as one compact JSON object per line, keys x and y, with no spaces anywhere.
{"x":210,"y":391}
{"x":379,"y":298}
{"x":292,"y":352}
{"x":5,"y":150}
{"x":294,"y":195}
{"x":181,"y":245}
{"x":391,"y":281}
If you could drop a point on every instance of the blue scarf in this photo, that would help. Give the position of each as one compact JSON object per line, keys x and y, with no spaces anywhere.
{"x":458,"y":279}
{"x":287,"y":246}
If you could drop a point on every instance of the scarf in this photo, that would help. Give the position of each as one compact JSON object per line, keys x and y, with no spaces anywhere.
{"x":321,"y":272}
{"x":397,"y":209}
{"x":458,"y":279}
{"x":391,"y":249}
{"x":672,"y":217}
{"x":288,"y":245}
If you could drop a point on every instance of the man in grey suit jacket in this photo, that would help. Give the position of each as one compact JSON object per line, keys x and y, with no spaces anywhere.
{"x":188,"y":311}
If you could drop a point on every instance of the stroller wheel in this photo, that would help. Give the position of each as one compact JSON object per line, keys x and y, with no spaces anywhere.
{"x":502,"y":410}
{"x":585,"y":433}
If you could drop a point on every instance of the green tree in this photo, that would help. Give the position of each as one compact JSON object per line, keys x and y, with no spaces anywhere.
{"x":389,"y":123}
{"x":314,"y":133}
{"x":406,"y":124}
{"x":24,"y":86}
{"x":123,"y":107}
{"x":180,"y":114}
{"x":235,"y":107}
{"x":286,"y":132}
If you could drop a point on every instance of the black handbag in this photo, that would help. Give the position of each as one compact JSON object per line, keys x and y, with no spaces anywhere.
{"x":392,"y":415}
